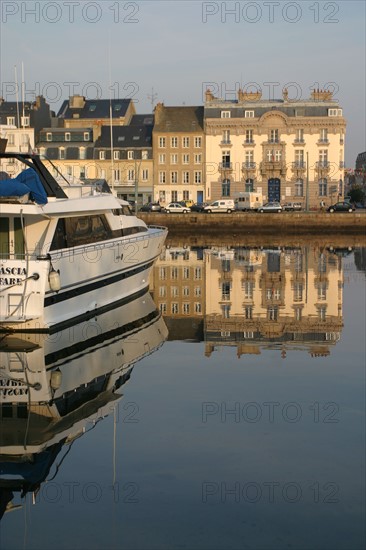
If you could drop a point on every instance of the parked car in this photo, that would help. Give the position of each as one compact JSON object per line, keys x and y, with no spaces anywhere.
{"x":176,"y":208}
{"x":341,"y":207}
{"x":198,"y":207}
{"x":186,"y":203}
{"x":271,"y":207}
{"x":151,"y":207}
{"x":292,"y":206}
{"x":222,"y":205}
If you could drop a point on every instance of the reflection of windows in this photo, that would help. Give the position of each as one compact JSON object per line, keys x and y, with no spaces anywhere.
{"x":197,"y":307}
{"x":248,"y":287}
{"x":322,"y":263}
{"x":225,"y":309}
{"x":186,"y":308}
{"x":162,"y":308}
{"x":248,"y":312}
{"x":272,"y":313}
{"x":248,"y":335}
{"x":298,"y":313}
{"x":174,"y":273}
{"x":298,"y":291}
{"x":225,"y":188}
{"x":299,"y":188}
{"x":162,"y":291}
{"x":186,"y":272}
{"x":226,"y":266}
{"x":322,"y":313}
{"x":197,"y":273}
{"x":322,"y":290}
{"x":162,"y":273}
{"x":197,"y":291}
{"x":175,"y":307}
{"x":186,"y":291}
{"x":174,"y":291}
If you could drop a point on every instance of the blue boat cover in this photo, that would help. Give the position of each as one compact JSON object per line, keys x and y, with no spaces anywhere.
{"x":26,"y":182}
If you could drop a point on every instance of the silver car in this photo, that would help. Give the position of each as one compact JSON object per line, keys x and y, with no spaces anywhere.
{"x":176,"y":207}
{"x":271,"y":207}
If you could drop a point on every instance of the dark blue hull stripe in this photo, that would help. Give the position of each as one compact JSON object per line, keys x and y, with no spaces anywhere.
{"x":73,"y":293}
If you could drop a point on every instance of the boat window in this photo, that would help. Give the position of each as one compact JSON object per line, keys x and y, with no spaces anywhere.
{"x":18,"y":238}
{"x":59,"y":238}
{"x":132,"y":230}
{"x":87,"y":230}
{"x":4,"y":238}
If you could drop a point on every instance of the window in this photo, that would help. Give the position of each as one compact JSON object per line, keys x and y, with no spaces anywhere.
{"x":162,"y":291}
{"x":322,"y":313}
{"x":174,"y":292}
{"x":197,"y":141}
{"x":249,"y":114}
{"x":197,"y":291}
{"x":198,"y":177}
{"x":335,"y":112}
{"x":323,"y":135}
{"x":11,"y":140}
{"x":272,"y":313}
{"x":226,"y":137}
{"x":116,"y":155}
{"x":173,"y":177}
{"x":299,"y":136}
{"x":174,"y":273}
{"x":130,"y":155}
{"x":323,"y":187}
{"x":69,"y":170}
{"x":185,"y":177}
{"x":162,"y":273}
{"x":248,"y":312}
{"x":175,"y":307}
{"x":186,"y":308}
{"x":162,"y":177}
{"x":101,"y":155}
{"x":226,"y":159}
{"x":25,"y":121}
{"x":198,"y":158}
{"x":197,"y":276}
{"x":117,"y":175}
{"x":174,"y":196}
{"x":185,"y":159}
{"x":82,"y":174}
{"x":249,"y":136}
{"x":48,"y":136}
{"x":162,"y":308}
{"x":186,"y":273}
{"x":186,"y":195}
{"x":174,"y":142}
{"x":225,"y":191}
{"x":298,"y":313}
{"x":61,"y":153}
{"x":24,"y":139}
{"x":322,"y":291}
{"x":162,"y":142}
{"x":67,"y":136}
{"x":86,"y":136}
{"x":225,"y":114}
{"x":249,"y":185}
{"x":274,"y":136}
{"x":174,"y":159}
{"x":185,"y":142}
{"x":249,"y":159}
{"x":131,"y":175}
{"x":299,"y":188}
{"x":10,"y":120}
{"x":162,"y":158}
{"x":145,"y":174}
{"x":298,"y":292}
{"x":299,"y":158}
{"x":323,"y":158}
{"x":144,"y":155}
{"x":197,"y":307}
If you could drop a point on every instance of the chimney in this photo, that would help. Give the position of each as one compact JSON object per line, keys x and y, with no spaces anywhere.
{"x":76,"y":101}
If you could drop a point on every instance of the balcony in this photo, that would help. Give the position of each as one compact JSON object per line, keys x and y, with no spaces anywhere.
{"x":323,"y":141}
{"x":226,"y":143}
{"x":249,"y":142}
{"x":248,"y":165}
{"x":322,"y":165}
{"x":299,"y":141}
{"x":299,"y":165}
{"x":268,"y":167}
{"x":223,"y":166}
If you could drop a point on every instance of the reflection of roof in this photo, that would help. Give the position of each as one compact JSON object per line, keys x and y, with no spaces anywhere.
{"x":189,"y":329}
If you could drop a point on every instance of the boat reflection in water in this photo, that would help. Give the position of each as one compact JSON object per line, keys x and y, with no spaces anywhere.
{"x":252,"y":298}
{"x":53,"y":387}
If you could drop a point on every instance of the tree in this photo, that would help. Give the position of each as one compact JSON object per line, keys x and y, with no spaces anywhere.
{"x":357,"y":194}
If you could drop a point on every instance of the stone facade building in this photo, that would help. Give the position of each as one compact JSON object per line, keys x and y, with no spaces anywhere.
{"x":287,"y":150}
{"x":179,"y":154}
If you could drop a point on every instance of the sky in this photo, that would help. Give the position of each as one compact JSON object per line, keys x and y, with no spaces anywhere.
{"x":171,"y":51}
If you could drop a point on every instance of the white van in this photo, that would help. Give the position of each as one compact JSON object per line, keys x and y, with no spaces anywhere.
{"x":221,"y":205}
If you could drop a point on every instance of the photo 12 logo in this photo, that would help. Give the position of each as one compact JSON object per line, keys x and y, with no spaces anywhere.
{"x":269,"y":12}
{"x":69,"y":12}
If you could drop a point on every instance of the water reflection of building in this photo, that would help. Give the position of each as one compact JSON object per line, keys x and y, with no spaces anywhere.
{"x":179,"y":290}
{"x":54,"y":388}
{"x":252,"y":298}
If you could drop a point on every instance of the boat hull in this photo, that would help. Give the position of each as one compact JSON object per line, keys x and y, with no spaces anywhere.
{"x":91,"y":278}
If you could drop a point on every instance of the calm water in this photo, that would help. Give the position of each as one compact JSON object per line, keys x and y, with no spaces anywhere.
{"x":227,"y":411}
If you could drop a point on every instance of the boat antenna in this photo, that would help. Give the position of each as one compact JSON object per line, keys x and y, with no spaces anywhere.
{"x":110,"y":112}
{"x":17,"y":95}
{"x":23,"y":93}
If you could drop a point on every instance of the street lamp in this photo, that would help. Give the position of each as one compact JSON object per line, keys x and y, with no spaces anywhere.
{"x":307,"y":183}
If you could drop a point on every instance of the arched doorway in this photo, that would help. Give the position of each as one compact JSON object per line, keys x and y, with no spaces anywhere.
{"x":274,"y":190}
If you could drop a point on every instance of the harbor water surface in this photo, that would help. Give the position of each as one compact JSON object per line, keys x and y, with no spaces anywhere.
{"x":230,"y":411}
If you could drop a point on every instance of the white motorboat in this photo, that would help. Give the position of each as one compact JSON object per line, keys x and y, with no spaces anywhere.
{"x":66,"y":251}
{"x":55,"y":388}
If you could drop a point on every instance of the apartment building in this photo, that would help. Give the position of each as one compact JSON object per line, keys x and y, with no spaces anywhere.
{"x":179,"y":154}
{"x":288,"y":150}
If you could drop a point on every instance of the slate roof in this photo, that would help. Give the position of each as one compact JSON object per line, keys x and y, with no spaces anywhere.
{"x":125,"y":136}
{"x":178,"y":119}
{"x":95,"y":108}
{"x":142,"y":120}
